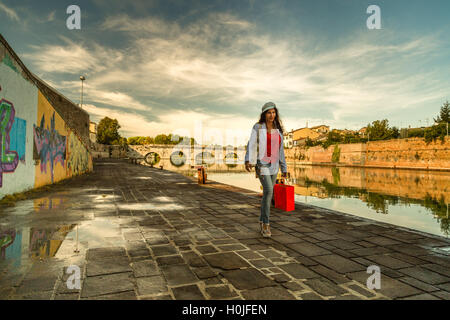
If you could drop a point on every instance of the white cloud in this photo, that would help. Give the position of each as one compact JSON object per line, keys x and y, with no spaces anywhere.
{"x":118,"y":99}
{"x":222,"y":61}
{"x":73,"y":57}
{"x":217,"y":128}
{"x":9,"y":12}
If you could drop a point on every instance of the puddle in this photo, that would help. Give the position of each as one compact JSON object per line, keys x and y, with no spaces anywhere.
{"x":150,"y":206}
{"x":106,"y":207}
{"x":103,"y":197}
{"x":25,"y":207}
{"x":49,"y":203}
{"x":95,"y":233}
{"x":22,"y":247}
{"x":165,"y":199}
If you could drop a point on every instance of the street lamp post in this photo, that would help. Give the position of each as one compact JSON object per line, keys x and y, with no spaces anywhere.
{"x":82,"y":78}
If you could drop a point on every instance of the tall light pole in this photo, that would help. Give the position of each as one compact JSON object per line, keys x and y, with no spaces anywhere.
{"x":82,"y":78}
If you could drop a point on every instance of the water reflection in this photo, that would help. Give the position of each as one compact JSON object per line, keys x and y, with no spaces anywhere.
{"x":44,"y":243}
{"x":411,"y":198}
{"x":18,"y":245}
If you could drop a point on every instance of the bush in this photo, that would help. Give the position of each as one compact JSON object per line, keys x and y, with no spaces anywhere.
{"x":436,"y":131}
{"x":416,"y":132}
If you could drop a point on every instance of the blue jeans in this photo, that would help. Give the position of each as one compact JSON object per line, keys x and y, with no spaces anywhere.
{"x":267,"y":181}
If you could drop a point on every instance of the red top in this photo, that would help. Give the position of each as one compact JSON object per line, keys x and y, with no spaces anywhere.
{"x":269,"y":157}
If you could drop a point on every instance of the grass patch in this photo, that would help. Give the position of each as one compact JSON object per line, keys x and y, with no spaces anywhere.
{"x":11,"y":199}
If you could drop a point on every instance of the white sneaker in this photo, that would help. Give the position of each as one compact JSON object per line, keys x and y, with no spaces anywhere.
{"x":266,"y":231}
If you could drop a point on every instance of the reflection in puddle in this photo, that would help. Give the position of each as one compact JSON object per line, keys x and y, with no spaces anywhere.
{"x":150,"y":206}
{"x":30,"y":244}
{"x":49,"y":203}
{"x":96,"y":233}
{"x":44,"y":243}
{"x":24,"y":246}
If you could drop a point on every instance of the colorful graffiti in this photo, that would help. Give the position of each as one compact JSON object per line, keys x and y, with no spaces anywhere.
{"x":18,"y":136}
{"x":8,"y":158}
{"x":78,"y":156}
{"x":6,"y":239}
{"x":50,"y":145}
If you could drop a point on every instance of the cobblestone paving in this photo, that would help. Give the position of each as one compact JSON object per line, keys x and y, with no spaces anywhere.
{"x":145,"y":233}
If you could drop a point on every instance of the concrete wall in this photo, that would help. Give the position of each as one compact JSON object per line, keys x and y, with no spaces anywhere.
{"x":42,"y":133}
{"x":108,"y":151}
{"x":399,"y":153}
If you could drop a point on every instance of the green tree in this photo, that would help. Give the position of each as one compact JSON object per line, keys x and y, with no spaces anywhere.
{"x":380,"y":130}
{"x":133,"y":140}
{"x":161,"y":139}
{"x":108,"y":131}
{"x":436,"y":131}
{"x":332,"y":138}
{"x":444,"y":115}
{"x":395,"y":132}
{"x":121,"y":141}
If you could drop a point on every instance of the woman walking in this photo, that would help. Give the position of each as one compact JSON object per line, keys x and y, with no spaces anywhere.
{"x":265,"y":151}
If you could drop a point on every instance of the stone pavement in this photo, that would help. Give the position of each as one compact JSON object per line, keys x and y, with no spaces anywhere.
{"x":145,"y":233}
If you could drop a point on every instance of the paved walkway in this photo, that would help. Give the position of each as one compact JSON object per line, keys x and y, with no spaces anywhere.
{"x":145,"y":233}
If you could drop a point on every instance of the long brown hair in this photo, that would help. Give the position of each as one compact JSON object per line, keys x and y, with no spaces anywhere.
{"x":277,"y":120}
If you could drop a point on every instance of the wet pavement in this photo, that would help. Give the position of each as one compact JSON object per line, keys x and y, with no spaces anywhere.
{"x":137,"y":232}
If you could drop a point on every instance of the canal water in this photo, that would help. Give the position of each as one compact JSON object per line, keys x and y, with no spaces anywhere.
{"x":413,"y":199}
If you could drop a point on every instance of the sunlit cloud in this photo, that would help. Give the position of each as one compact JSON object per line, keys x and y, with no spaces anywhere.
{"x":221,"y":69}
{"x":11,"y":13}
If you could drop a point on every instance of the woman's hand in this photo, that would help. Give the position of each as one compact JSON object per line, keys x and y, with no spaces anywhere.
{"x":248,"y":166}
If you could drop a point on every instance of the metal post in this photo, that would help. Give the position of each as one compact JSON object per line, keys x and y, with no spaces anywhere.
{"x":82,"y":78}
{"x":76,"y":249}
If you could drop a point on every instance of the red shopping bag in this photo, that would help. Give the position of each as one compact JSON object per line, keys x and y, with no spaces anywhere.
{"x":284,"y":196}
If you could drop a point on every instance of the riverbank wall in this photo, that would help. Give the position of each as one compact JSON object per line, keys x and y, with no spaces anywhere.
{"x":411,"y":153}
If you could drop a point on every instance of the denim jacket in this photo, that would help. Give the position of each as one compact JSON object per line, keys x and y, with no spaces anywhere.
{"x":250,"y":155}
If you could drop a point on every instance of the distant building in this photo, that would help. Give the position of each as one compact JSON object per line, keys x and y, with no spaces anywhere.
{"x":287,"y":139}
{"x":93,"y":131}
{"x":316,"y":133}
{"x":323,"y":129}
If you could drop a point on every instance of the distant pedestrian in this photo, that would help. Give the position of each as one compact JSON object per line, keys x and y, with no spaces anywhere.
{"x":265,"y":151}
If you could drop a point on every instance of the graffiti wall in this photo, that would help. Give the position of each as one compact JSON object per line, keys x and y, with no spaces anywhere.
{"x":18,"y":112}
{"x":37,"y":145}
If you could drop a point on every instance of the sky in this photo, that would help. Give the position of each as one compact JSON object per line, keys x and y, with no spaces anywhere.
{"x":177,"y":66}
